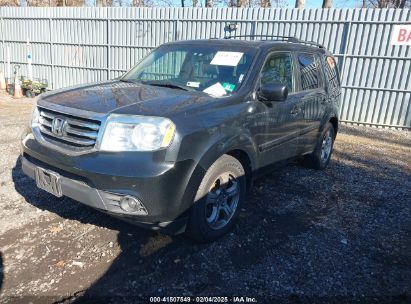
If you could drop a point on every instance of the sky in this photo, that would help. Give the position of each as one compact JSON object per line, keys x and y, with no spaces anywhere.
{"x":337,"y":3}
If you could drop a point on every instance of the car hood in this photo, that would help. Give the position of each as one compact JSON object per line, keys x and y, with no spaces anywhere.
{"x":125,"y":98}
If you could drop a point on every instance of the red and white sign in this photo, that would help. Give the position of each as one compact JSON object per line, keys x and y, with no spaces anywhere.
{"x":401,"y":35}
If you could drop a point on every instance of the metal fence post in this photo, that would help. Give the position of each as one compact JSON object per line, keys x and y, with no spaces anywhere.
{"x":3,"y":32}
{"x":108,"y":48}
{"x":51,"y":52}
{"x":347,"y":40}
{"x":255,"y":29}
{"x":176,"y":30}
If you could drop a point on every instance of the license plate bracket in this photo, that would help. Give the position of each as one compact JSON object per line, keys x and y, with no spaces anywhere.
{"x":48,"y":181}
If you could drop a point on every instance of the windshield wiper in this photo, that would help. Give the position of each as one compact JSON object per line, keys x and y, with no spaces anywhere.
{"x":166,"y":85}
{"x":128,"y":80}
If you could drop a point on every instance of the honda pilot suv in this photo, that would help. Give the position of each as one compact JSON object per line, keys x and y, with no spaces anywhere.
{"x":174,"y":144}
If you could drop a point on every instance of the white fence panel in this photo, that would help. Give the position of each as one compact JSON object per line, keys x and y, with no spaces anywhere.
{"x":78,"y":45}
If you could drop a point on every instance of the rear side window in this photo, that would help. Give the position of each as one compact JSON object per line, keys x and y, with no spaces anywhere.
{"x":309,"y":72}
{"x":278,"y":69}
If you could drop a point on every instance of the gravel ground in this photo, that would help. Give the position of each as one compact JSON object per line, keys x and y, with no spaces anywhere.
{"x":343,"y":234}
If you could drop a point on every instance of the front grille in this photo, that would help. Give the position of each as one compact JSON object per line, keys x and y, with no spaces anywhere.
{"x":78,"y":132}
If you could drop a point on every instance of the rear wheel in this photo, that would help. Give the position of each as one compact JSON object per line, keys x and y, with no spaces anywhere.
{"x":218,"y":200}
{"x":320,"y":158}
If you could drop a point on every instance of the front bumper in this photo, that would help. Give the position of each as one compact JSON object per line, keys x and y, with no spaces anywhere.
{"x":80,"y":191}
{"x":100,"y":180}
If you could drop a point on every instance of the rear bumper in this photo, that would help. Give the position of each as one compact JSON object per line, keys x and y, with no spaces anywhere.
{"x":101,"y":180}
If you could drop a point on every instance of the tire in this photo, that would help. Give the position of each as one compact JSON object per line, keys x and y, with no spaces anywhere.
{"x":218,"y":200}
{"x":320,"y":158}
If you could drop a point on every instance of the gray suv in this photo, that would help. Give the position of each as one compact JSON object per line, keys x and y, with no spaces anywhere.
{"x":175,"y":143}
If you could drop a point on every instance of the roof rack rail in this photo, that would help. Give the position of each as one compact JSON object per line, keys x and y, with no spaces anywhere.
{"x":279,"y":38}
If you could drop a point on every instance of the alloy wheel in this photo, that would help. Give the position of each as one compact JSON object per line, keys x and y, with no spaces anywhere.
{"x":222,"y":201}
{"x":326,"y":146}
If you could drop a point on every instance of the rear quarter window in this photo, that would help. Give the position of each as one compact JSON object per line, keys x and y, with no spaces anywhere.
{"x":332,"y":75}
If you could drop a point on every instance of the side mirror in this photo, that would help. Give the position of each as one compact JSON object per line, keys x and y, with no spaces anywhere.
{"x":272,"y":92}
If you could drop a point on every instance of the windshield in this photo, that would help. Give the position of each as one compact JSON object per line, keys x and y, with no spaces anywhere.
{"x":216,"y":70}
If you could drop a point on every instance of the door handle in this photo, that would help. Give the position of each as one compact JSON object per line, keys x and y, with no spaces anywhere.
{"x":295,"y":111}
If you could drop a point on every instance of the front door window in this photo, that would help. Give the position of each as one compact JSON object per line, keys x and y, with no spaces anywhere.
{"x":278,"y":69}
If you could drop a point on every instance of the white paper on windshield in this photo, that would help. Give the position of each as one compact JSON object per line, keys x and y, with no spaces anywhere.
{"x":216,"y":90}
{"x":227,"y":58}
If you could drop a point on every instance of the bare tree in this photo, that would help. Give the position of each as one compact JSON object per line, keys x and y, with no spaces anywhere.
{"x":138,"y":3}
{"x":101,"y":3}
{"x":405,"y":4}
{"x":299,"y":3}
{"x":37,"y":3}
{"x":237,"y":3}
{"x":9,"y":2}
{"x":400,"y":3}
{"x":327,"y":3}
{"x":387,"y":3}
{"x":265,"y":3}
{"x":43,"y":3}
{"x":209,"y":3}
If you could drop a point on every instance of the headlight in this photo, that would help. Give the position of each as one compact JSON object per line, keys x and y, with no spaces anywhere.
{"x":137,"y":133}
{"x":35,"y":116}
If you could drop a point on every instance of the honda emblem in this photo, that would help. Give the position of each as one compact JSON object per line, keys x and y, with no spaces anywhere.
{"x":58,"y":126}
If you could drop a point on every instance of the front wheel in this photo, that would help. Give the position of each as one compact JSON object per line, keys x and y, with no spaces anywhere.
{"x":320,"y":158}
{"x":218,"y":200}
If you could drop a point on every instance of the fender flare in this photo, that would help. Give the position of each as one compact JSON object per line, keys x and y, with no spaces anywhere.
{"x":242,"y":142}
{"x":220,"y":147}
{"x":328,"y":117}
